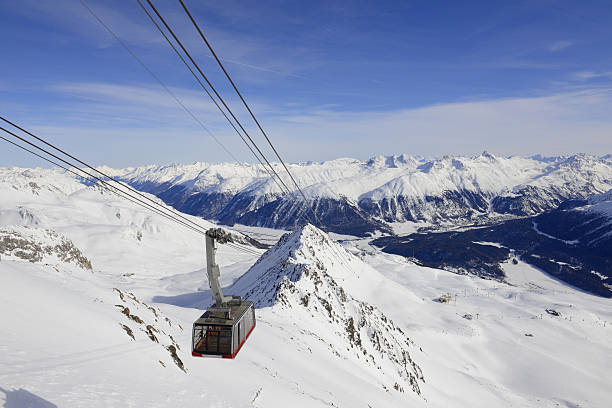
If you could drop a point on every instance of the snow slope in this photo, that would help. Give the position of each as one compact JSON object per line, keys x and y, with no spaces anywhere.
{"x":494,"y":344}
{"x":66,"y":339}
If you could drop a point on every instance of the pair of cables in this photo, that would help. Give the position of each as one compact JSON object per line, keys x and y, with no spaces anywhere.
{"x":175,"y":43}
{"x":81,"y":169}
{"x":205,"y":84}
{"x":134,"y":195}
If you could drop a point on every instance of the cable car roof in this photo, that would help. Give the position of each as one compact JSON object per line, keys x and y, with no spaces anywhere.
{"x":236,"y":312}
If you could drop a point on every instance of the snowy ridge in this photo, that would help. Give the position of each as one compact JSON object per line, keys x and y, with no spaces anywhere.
{"x":308,"y":277}
{"x":601,"y":204}
{"x":68,"y":206}
{"x":354,"y":196}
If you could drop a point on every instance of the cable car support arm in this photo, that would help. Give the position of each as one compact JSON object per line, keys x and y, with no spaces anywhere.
{"x":212,"y":269}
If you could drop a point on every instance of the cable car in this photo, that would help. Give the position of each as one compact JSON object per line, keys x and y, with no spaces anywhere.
{"x":217,"y":335}
{"x":223,"y":328}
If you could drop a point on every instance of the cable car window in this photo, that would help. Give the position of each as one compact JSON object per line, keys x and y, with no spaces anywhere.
{"x":225,"y":342}
{"x":212,"y":339}
{"x":198,"y":333}
{"x":248,"y":321}
{"x":242,"y":330}
{"x":236,"y":337}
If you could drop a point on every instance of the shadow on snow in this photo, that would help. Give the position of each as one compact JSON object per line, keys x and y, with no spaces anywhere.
{"x":21,"y":398}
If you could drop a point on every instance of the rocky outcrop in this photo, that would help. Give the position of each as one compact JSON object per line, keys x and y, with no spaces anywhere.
{"x":35,"y":245}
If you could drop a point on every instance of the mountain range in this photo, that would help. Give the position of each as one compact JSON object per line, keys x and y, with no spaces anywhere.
{"x":552,"y":212}
{"x":98,"y":296}
{"x":357,"y":197}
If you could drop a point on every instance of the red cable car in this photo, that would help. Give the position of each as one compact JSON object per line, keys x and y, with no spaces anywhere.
{"x":215,"y":334}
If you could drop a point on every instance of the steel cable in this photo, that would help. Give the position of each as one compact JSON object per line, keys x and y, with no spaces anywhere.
{"x":283,"y":188}
{"x":132,"y":198}
{"x":178,"y":41}
{"x":157,"y":79}
{"x":90,"y":167}
{"x":195,"y":24}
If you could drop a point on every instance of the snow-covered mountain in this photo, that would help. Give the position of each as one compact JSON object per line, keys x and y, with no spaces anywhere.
{"x":359,"y":197}
{"x":312,"y":280}
{"x":97,"y":312}
{"x":45,"y":213}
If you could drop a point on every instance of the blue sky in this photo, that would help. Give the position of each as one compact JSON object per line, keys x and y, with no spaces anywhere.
{"x":328,"y":79}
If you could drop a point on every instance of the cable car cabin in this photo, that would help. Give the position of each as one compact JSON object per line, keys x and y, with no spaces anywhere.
{"x":221,"y":332}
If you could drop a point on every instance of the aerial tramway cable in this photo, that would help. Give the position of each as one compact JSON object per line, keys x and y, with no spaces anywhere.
{"x":270,"y":174}
{"x":40,"y":156}
{"x":154,"y":203}
{"x":215,"y":91}
{"x":199,"y":81}
{"x":283,"y":187}
{"x":124,"y":45}
{"x":197,"y":228}
{"x":158,"y":80}
{"x":155,"y":208}
{"x":195,"y":24}
{"x":152,"y":74}
{"x":107,"y":186}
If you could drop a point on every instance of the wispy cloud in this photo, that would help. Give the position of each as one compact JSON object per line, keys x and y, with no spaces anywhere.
{"x":250,"y":55}
{"x":141,"y":122}
{"x":588,"y":75}
{"x":75,"y":23}
{"x":131,"y":125}
{"x":560,"y":45}
{"x":556,"y":124}
{"x":133,"y":95}
{"x":263,"y":69}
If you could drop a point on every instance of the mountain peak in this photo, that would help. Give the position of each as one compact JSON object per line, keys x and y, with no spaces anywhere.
{"x":485,"y":154}
{"x":293,"y":258}
{"x":307,"y":277}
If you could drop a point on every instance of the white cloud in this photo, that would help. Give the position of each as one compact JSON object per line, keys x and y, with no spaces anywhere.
{"x":588,"y":75}
{"x":560,"y":45}
{"x":76,"y":23}
{"x":133,"y":95}
{"x":130,"y":125}
{"x":558,"y":124}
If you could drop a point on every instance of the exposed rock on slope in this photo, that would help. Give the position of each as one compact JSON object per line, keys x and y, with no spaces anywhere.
{"x":38,"y":245}
{"x":151,"y":322}
{"x":311,"y":279}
